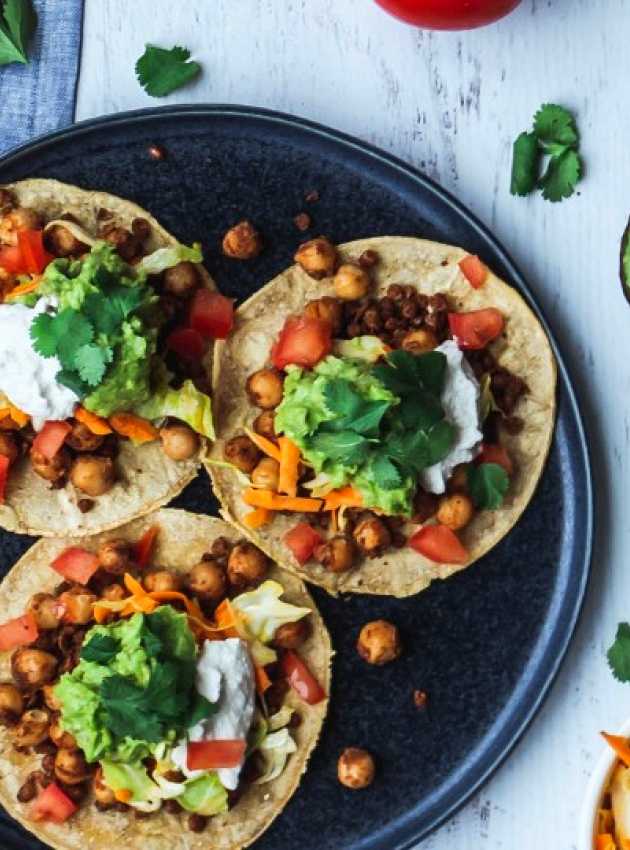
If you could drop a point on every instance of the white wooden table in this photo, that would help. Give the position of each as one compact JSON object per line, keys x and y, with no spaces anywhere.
{"x":451,"y":104}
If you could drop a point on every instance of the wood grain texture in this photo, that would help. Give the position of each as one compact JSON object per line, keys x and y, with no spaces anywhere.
{"x":451,"y":104}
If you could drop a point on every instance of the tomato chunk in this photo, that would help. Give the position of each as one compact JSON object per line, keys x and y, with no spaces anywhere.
{"x":302,"y":541}
{"x":54,"y":805}
{"x":438,"y":543}
{"x":35,"y":257}
{"x":211,"y":314}
{"x":51,"y":438}
{"x":76,"y":564}
{"x":11,"y":259}
{"x":303,"y":341}
{"x":474,"y":270}
{"x":18,"y":632}
{"x":494,"y":453}
{"x":476,"y":329}
{"x":301,"y":679}
{"x":5,"y":463}
{"x":187,"y":343}
{"x":143,"y":550}
{"x":210,"y":755}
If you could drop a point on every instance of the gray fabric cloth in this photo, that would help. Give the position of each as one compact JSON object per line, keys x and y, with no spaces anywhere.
{"x":40,"y":96}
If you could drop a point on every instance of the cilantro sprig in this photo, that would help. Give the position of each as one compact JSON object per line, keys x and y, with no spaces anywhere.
{"x":18,"y":22}
{"x":488,"y":483}
{"x":162,"y":71}
{"x":554,"y":139}
{"x":619,"y":653}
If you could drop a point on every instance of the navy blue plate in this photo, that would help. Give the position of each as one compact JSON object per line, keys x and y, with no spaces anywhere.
{"x":486,"y":644}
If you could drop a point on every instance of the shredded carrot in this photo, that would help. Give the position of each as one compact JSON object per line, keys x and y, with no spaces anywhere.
{"x":265,"y":445}
{"x":123,"y":795}
{"x":170,"y":595}
{"x":226,"y":619}
{"x":24,"y":288}
{"x":95,"y":424}
{"x":257,"y":518}
{"x":263,"y":682}
{"x":137,"y":428}
{"x":619,"y":745}
{"x":101,"y":613}
{"x":133,"y":586}
{"x":289,"y":466}
{"x":19,"y":417}
{"x":275,"y":502}
{"x":604,"y":841}
{"x":347,"y":497}
{"x":334,"y":523}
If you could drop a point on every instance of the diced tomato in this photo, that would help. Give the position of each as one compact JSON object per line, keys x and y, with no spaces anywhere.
{"x":76,"y":564}
{"x":476,"y":329}
{"x":474,"y":270}
{"x":301,"y":679}
{"x":210,"y":755}
{"x":187,"y":343}
{"x":11,"y":259}
{"x":51,"y":438}
{"x":18,"y":632}
{"x":303,"y":341}
{"x":211,"y":314}
{"x":34,"y":256}
{"x":302,"y":541}
{"x":494,"y":453}
{"x":438,"y":543}
{"x":54,"y":805}
{"x":5,"y":463}
{"x":143,"y":550}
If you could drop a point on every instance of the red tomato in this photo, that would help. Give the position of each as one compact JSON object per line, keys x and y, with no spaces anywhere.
{"x":76,"y":564}
{"x":11,"y":259}
{"x":210,"y":755}
{"x":438,"y":543}
{"x":35,"y":257}
{"x":474,"y":270}
{"x":492,"y":453}
{"x":18,"y":632}
{"x":187,"y":343}
{"x":51,"y":438}
{"x":144,"y":547}
{"x":54,"y":805}
{"x":475,"y":330}
{"x":449,"y":14}
{"x":303,"y":341}
{"x":302,"y":541}
{"x":4,"y":476}
{"x":212,"y":314}
{"x":301,"y":679}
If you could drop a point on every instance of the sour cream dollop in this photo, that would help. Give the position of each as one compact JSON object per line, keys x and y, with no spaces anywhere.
{"x":460,"y":400}
{"x":27,"y":378}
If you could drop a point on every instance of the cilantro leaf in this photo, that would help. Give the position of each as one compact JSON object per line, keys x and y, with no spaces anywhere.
{"x":161,"y":71}
{"x":420,"y":411}
{"x":346,"y":446}
{"x":17,"y":25}
{"x":200,"y":710}
{"x":619,"y":653}
{"x":352,"y":411}
{"x":525,"y":158}
{"x":43,"y":335}
{"x":386,"y":475}
{"x":91,"y":362}
{"x":488,"y":483}
{"x":151,"y":643}
{"x":101,"y":648}
{"x":555,"y":124}
{"x":108,"y":311}
{"x":71,"y":380}
{"x":405,"y":373}
{"x":419,"y":449}
{"x":127,"y":710}
{"x":561,"y":177}
{"x":73,"y":331}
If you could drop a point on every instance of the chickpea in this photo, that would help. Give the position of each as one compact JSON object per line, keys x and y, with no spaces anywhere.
{"x":62,"y":243}
{"x":337,"y":555}
{"x":79,"y":605}
{"x":419,"y":341}
{"x":379,"y":642}
{"x":141,"y":229}
{"x":126,"y":243}
{"x":355,"y":768}
{"x":159,"y":581}
{"x":242,"y":242}
{"x":114,"y":556}
{"x":266,"y":474}
{"x":246,"y":565}
{"x":53,"y":469}
{"x":351,"y":282}
{"x":114,"y":593}
{"x":264,"y":425}
{"x":71,"y":767}
{"x":318,"y":257}
{"x":60,"y":738}
{"x":11,"y":703}
{"x":103,"y":794}
{"x":458,"y":482}
{"x":32,"y":729}
{"x":9,"y":447}
{"x":179,"y":442}
{"x":372,"y":535}
{"x":32,"y":668}
{"x":46,"y":609}
{"x":242,"y":452}
{"x":50,"y":699}
{"x":265,"y":388}
{"x":455,"y":511}
{"x":326,"y":309}
{"x":291,"y":635}
{"x":207,"y":580}
{"x":81,"y":439}
{"x":424,"y":505}
{"x":93,"y":475}
{"x":181,"y":280}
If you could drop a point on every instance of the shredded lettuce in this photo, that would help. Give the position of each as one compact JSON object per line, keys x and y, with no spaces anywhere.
{"x":146,"y":795}
{"x":187,"y":403}
{"x":368,"y":348}
{"x":275,"y":749}
{"x":166,"y":258}
{"x":204,"y":796}
{"x":264,"y":611}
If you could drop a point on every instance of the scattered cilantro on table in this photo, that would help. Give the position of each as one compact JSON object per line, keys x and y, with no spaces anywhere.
{"x":619,"y":653}
{"x":488,"y":483}
{"x":554,"y":136}
{"x":162,"y":71}
{"x":17,"y":24}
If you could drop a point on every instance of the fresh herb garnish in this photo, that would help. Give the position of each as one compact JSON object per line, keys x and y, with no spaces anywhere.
{"x":488,"y":483}
{"x":351,"y":410}
{"x":619,"y":653}
{"x":17,"y":24}
{"x":346,"y":446}
{"x":555,"y":136}
{"x":162,"y":71}
{"x":201,"y":709}
{"x":101,"y":648}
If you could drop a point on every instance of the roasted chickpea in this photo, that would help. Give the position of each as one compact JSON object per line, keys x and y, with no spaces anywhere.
{"x":318,"y":257}
{"x":53,"y":469}
{"x":124,"y":241}
{"x":81,"y":439}
{"x":93,"y":475}
{"x":458,"y":482}
{"x":266,"y":474}
{"x":207,"y":580}
{"x":32,"y":729}
{"x":351,"y":282}
{"x":60,"y":738}
{"x":264,"y":388}
{"x":32,"y":668}
{"x":455,"y":511}
{"x":337,"y":554}
{"x":50,"y":699}
{"x":9,"y":447}
{"x":63,"y":243}
{"x":181,"y":280}
{"x":246,"y":565}
{"x":291,"y":635}
{"x":71,"y":767}
{"x":379,"y":642}
{"x":419,"y":341}
{"x":11,"y":703}
{"x":114,"y":593}
{"x":264,"y":425}
{"x":355,"y":768}
{"x":114,"y":556}
{"x":242,"y":452}
{"x":103,"y":794}
{"x":326,"y":309}
{"x":159,"y":581}
{"x":46,"y":609}
{"x":372,"y":535}
{"x":79,"y":605}
{"x":179,"y":442}
{"x":242,"y":242}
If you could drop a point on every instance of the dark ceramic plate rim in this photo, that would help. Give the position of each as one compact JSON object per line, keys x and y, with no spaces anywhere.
{"x":405,"y":832}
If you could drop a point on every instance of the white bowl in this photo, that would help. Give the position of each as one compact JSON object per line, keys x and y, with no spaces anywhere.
{"x":594,"y":792}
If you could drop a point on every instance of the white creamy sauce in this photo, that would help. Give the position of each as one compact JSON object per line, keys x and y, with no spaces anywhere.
{"x":225,"y":674}
{"x":460,"y":400}
{"x":27,"y":378}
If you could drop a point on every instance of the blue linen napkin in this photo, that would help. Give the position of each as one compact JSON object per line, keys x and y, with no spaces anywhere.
{"x":40,"y":96}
